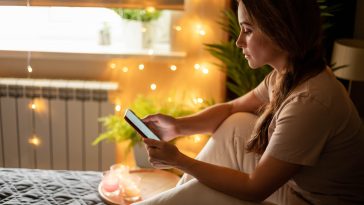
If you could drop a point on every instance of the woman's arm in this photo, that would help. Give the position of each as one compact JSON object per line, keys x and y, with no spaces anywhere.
{"x":208,"y":120}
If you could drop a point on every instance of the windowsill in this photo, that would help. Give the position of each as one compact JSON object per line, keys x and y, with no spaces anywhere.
{"x":84,"y":52}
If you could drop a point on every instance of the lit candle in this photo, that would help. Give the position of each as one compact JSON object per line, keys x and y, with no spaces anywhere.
{"x":131,"y":191}
{"x":110,"y":182}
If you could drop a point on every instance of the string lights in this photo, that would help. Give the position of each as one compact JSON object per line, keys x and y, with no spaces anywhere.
{"x":153,"y":86}
{"x":33,"y":140}
{"x":117,"y":107}
{"x":178,"y":28}
{"x":173,"y":67}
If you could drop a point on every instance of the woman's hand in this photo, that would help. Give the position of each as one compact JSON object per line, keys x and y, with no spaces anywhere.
{"x":162,"y":154}
{"x":163,"y":126}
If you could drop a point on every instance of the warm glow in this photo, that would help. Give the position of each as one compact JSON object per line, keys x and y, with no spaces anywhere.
{"x":196,"y":138}
{"x":153,"y":86}
{"x":125,"y":69}
{"x":34,"y":140}
{"x":38,"y":105}
{"x":112,"y":65}
{"x":144,"y":29}
{"x":30,"y":69}
{"x":117,"y":108}
{"x":178,"y":28}
{"x":197,"y":66}
{"x":173,"y":67}
{"x":197,"y":100}
{"x":141,"y":67}
{"x":205,"y":71}
{"x":169,"y":99}
{"x":200,"y":30}
{"x":150,"y":9}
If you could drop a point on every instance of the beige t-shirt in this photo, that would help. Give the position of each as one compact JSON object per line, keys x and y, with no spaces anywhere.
{"x":318,"y":127}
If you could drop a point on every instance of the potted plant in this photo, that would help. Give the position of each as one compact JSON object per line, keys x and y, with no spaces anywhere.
{"x":118,"y":130}
{"x":146,"y":18}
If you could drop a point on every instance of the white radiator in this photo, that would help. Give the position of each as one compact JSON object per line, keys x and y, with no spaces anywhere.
{"x":65,"y":120}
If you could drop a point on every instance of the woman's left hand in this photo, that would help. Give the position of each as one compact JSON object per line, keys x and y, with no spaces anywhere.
{"x":162,"y":154}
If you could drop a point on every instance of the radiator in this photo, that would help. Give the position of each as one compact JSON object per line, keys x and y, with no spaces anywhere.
{"x":64,"y":117}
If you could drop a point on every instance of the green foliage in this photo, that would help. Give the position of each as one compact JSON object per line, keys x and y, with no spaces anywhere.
{"x":118,"y":130}
{"x":328,"y":11}
{"x":143,"y":15}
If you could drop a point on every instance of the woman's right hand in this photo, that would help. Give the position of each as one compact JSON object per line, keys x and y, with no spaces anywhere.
{"x":164,"y":126}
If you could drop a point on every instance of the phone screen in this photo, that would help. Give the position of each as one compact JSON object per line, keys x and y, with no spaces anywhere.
{"x":139,"y":125}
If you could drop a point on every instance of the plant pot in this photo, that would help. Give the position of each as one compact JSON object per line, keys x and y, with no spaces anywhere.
{"x":148,"y":35}
{"x":132,"y":35}
{"x":141,"y":156}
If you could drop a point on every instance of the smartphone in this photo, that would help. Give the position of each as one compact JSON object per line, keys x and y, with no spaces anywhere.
{"x":139,"y":125}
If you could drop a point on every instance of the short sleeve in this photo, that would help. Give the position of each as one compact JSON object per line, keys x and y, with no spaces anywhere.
{"x":301,"y":131}
{"x":262,"y":90}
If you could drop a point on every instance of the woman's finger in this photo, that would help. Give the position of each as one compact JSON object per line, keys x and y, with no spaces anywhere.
{"x":152,"y":143}
{"x":150,"y":118}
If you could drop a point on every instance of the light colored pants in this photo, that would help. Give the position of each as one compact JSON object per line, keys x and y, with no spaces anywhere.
{"x":226,"y":147}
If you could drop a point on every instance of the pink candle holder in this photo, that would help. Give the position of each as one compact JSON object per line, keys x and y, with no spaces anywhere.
{"x":110,"y":184}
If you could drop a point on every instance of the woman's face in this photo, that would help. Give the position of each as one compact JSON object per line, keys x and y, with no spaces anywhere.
{"x":257,"y":48}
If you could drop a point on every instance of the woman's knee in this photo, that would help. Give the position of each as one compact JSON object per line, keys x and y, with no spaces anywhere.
{"x":238,"y":124}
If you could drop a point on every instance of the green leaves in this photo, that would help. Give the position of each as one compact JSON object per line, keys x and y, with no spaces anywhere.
{"x":143,"y":15}
{"x":118,"y":130}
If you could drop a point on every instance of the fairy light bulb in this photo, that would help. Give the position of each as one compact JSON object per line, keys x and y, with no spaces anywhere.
{"x":178,"y":28}
{"x":150,"y":9}
{"x":117,"y":108}
{"x":173,"y":67}
{"x":205,"y":70}
{"x":33,"y":106}
{"x":30,"y":69}
{"x":197,"y":66}
{"x":153,"y":86}
{"x":112,"y":65}
{"x":141,"y":67}
{"x":34,"y":140}
{"x":196,"y":138}
{"x":144,"y":29}
{"x":200,"y":30}
{"x":169,"y":99}
{"x":199,"y":100}
{"x":125,"y":69}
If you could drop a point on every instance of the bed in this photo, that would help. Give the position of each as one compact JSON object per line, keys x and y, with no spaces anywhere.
{"x":34,"y":186}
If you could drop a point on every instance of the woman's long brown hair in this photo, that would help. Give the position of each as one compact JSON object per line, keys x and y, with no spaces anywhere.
{"x":295,"y":26}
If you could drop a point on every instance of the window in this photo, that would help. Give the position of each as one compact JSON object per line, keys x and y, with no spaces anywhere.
{"x":78,"y":29}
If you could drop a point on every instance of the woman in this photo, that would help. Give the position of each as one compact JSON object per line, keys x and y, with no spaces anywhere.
{"x":307,"y":143}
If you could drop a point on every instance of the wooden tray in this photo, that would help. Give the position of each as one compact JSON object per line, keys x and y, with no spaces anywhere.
{"x":153,"y":181}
